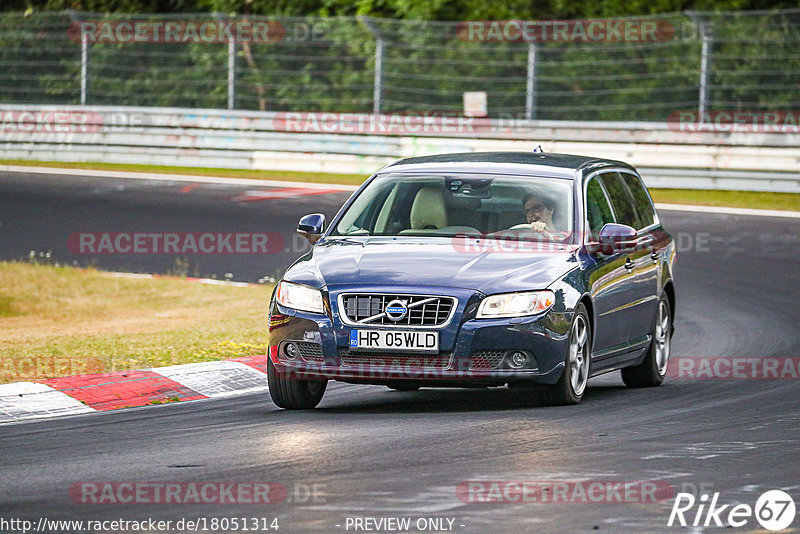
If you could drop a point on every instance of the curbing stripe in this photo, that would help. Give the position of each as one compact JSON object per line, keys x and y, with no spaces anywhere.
{"x":209,"y":281}
{"x":81,"y":394}
{"x":111,"y":391}
{"x":29,"y":400}
{"x":159,"y":177}
{"x":283,"y":192}
{"x":216,"y":379}
{"x":258,"y":362}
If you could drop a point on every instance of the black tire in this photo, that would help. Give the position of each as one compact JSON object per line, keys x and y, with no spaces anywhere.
{"x":653,"y":369}
{"x":291,"y":393}
{"x":577,"y":360}
{"x":402,"y":386}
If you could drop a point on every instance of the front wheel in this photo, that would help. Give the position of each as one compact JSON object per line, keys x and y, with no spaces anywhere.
{"x":570,"y":387}
{"x":653,"y":369}
{"x":292,"y":393}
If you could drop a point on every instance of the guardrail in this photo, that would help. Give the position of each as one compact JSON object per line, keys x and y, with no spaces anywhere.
{"x":360,"y":143}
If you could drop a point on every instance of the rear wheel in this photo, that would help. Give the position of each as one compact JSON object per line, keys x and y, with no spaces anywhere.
{"x":291,"y":393}
{"x":570,"y":387}
{"x":653,"y":369}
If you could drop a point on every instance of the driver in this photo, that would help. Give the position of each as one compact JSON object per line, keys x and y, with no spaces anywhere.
{"x":538,"y":211}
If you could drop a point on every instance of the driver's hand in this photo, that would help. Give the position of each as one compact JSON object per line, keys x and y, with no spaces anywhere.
{"x":539,"y":226}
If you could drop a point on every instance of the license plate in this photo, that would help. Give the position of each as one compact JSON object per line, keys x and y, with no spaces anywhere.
{"x":394,"y":340}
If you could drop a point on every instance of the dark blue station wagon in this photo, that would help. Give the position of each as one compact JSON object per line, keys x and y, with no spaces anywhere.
{"x":527,"y":270}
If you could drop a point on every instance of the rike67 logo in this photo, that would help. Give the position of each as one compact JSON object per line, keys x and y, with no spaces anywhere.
{"x":774,"y":510}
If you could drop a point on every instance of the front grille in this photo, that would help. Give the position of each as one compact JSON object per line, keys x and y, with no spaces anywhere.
{"x":369,"y":309}
{"x":394,"y":362}
{"x":486,"y":359}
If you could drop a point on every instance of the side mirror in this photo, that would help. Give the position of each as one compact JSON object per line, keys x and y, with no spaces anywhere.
{"x":311,"y":227}
{"x":616,"y":238}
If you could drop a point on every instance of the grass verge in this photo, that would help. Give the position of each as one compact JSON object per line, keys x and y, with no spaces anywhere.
{"x":734,"y":199}
{"x":289,"y":176}
{"x":700,"y":197}
{"x":62,"y":321}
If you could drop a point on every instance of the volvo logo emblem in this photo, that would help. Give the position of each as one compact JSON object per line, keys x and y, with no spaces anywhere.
{"x":396,"y":310}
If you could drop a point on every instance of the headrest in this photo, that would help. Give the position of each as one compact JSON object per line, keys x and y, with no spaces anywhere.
{"x":428,"y":209}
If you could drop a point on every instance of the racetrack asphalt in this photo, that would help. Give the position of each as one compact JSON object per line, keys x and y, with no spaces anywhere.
{"x":367,"y":451}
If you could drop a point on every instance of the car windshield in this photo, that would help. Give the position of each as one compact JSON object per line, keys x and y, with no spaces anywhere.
{"x":506,"y":207}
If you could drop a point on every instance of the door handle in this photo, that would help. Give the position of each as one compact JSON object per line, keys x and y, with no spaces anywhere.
{"x":654,"y":256}
{"x":629,"y":265}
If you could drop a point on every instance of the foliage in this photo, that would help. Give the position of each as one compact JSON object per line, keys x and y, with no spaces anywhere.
{"x":328,"y":63}
{"x":404,"y":9}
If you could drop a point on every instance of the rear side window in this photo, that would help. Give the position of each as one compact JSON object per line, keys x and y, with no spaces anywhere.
{"x":621,"y":200}
{"x":598,"y":212}
{"x":644,"y":207}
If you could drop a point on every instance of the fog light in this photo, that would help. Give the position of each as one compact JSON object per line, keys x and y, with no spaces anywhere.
{"x":290,"y":349}
{"x":517,"y":359}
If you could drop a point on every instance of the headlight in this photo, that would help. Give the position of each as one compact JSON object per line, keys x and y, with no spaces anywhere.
{"x":516,"y":304}
{"x":299,"y":297}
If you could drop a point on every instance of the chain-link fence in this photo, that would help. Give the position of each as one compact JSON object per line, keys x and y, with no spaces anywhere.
{"x":623,"y":69}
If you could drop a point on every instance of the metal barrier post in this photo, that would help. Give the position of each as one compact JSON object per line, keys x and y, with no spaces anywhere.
{"x":705,"y":70}
{"x":704,"y":28}
{"x":376,"y":93}
{"x":231,"y":73}
{"x":530,"y":93}
{"x":379,"y":44}
{"x":84,"y":66}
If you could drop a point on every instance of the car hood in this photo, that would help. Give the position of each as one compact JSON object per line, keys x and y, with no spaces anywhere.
{"x":482,"y":265}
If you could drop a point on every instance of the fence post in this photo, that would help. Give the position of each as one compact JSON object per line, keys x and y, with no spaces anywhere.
{"x":231,"y":73}
{"x":705,"y":70}
{"x":379,"y":45}
{"x":376,"y":93}
{"x":84,"y":66}
{"x":75,"y":19}
{"x":530,"y":93}
{"x":704,"y":28}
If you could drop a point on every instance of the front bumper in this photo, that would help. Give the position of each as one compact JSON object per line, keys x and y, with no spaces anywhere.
{"x":470,"y":350}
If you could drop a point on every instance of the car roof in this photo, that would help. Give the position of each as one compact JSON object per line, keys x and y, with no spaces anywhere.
{"x":524,"y":163}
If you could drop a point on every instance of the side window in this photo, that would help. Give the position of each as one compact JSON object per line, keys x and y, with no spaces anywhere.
{"x":598,"y":212}
{"x":621,"y":199}
{"x":644,"y":206}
